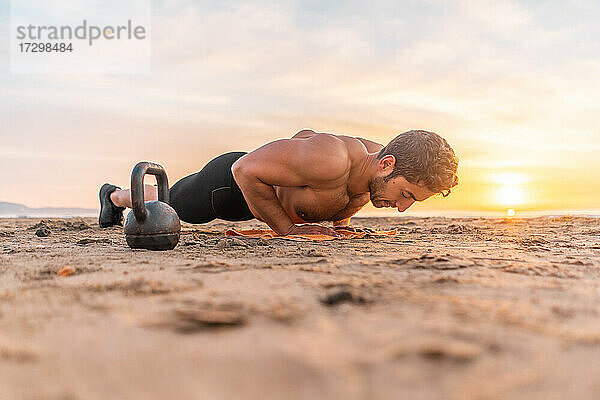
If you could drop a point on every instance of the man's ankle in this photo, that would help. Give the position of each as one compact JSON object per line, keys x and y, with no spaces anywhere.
{"x":115,"y":197}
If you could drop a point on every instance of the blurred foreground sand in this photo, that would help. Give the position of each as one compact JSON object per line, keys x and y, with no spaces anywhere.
{"x":453,"y":308}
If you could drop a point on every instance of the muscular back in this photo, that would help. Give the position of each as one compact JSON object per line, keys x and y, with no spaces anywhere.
{"x":314,"y":175}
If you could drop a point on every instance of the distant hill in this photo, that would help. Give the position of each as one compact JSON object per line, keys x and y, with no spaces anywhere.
{"x":20,"y":210}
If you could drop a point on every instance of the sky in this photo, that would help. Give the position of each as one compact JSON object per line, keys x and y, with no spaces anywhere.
{"x":514,"y":86}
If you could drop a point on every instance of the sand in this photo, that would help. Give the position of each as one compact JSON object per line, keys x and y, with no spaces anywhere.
{"x":472,"y":308}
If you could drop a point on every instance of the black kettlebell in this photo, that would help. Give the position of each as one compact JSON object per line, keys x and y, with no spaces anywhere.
{"x":151,"y":225}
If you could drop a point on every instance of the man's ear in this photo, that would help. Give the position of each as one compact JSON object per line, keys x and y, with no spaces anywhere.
{"x":386,"y":164}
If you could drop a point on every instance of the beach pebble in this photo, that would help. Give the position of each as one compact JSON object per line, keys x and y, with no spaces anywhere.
{"x":42,"y":231}
{"x":66,"y":271}
{"x":223,"y":243}
{"x":196,"y":320}
{"x":192,"y":243}
{"x":342,"y":296}
{"x":313,"y":253}
{"x":238,"y":242}
{"x":451,"y":350}
{"x":77,"y":225}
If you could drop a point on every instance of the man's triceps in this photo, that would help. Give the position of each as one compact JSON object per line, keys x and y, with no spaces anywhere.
{"x":263,"y":201}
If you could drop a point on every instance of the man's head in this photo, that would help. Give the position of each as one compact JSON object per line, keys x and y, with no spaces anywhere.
{"x":414,"y":166}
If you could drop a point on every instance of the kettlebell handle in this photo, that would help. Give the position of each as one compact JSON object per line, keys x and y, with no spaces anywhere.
{"x":137,"y":187}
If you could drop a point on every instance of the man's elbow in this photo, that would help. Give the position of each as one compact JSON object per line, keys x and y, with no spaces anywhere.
{"x":242,"y":171}
{"x":238,"y":169}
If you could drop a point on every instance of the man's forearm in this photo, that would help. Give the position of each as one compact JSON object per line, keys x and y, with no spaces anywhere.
{"x":264,"y":202}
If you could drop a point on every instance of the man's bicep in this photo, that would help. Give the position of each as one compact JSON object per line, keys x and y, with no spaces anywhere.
{"x":268,"y":164}
{"x":289,"y":162}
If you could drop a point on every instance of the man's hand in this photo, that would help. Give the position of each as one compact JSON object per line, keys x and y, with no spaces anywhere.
{"x":344,"y":225}
{"x":313,"y":229}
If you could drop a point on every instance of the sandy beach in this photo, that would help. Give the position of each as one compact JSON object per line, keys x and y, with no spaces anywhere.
{"x":453,"y":308}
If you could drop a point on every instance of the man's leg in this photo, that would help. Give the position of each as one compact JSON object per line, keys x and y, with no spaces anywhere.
{"x":198,"y":198}
{"x":210,"y":193}
{"x":122,"y":197}
{"x":113,"y":201}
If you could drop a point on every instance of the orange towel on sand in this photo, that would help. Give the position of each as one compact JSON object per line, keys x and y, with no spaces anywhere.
{"x":269,"y":234}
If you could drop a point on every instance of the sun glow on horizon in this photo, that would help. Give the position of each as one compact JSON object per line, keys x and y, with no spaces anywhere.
{"x":509,"y":195}
{"x":510,"y":188}
{"x":510,"y":178}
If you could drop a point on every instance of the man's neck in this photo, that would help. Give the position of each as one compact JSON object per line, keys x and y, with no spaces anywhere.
{"x":366,"y":171}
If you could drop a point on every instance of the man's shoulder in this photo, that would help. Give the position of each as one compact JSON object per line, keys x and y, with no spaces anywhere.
{"x":371,"y":146}
{"x":330,"y":151}
{"x":339,"y":150}
{"x":314,"y":141}
{"x":322,"y":155}
{"x":354,"y":144}
{"x":331,"y":140}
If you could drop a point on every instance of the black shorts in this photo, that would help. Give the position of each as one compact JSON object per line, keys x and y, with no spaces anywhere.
{"x":210,"y":193}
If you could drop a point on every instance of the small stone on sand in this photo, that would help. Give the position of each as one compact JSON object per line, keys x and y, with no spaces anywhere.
{"x":66,"y":271}
{"x":238,"y":242}
{"x":342,"y":296}
{"x":43,"y":231}
{"x":223,"y":243}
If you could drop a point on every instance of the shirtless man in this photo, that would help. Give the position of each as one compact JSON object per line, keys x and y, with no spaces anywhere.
{"x":313,"y":177}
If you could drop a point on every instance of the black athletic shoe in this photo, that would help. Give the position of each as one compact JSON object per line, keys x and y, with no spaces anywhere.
{"x":109,"y":213}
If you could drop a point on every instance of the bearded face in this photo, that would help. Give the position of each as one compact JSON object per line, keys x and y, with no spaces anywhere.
{"x":377,"y":188}
{"x":396,"y":193}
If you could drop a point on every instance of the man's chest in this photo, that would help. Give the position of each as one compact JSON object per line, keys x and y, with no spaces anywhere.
{"x":306,"y":204}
